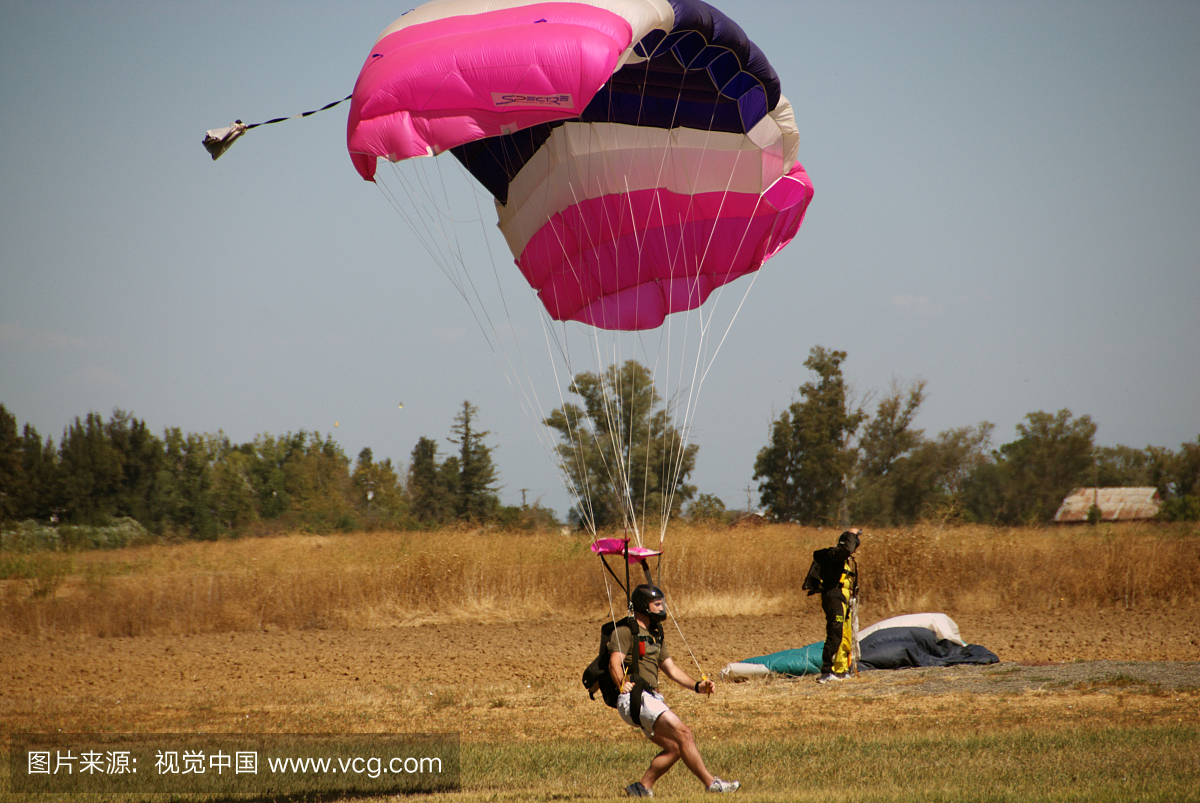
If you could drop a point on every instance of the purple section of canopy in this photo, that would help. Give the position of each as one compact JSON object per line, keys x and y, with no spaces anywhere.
{"x":616,"y":546}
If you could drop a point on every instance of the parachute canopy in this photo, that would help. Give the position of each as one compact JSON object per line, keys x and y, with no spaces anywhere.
{"x":640,"y":152}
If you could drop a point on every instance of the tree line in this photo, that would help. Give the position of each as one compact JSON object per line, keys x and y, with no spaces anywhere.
{"x":204,"y":485}
{"x":830,"y":460}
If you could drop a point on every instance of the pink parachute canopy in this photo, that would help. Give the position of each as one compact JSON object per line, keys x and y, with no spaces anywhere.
{"x":616,"y":546}
{"x":640,"y":152}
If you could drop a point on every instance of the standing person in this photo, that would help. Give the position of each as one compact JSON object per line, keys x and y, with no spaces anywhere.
{"x":660,"y":724}
{"x":834,"y":575}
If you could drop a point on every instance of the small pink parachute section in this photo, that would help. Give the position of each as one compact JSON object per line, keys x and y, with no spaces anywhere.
{"x":431,"y":86}
{"x":616,"y":546}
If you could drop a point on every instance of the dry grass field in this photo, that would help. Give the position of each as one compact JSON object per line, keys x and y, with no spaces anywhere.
{"x":485,"y":635}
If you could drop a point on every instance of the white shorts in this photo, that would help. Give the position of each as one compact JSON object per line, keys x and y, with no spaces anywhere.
{"x":653,"y":707}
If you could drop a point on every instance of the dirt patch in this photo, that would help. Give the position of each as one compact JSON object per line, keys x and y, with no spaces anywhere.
{"x":478,"y":676}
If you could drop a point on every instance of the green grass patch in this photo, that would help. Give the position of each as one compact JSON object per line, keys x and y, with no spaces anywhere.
{"x":1022,"y":766}
{"x":1150,"y":764}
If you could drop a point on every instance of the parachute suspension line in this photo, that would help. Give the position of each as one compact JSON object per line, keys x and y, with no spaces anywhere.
{"x":665,"y":495}
{"x":671,"y":613}
{"x":555,"y":335}
{"x":675,"y":448}
{"x":467,"y":277}
{"x":613,"y":468}
{"x":611,"y":432}
{"x":586,"y":513}
{"x":693,"y":258}
{"x":554,"y":343}
{"x":426,"y":241}
{"x":425,"y":209}
{"x":611,"y":390}
{"x":669,"y":477}
{"x":433,"y":221}
{"x":612,"y":612}
{"x":681,"y":431}
{"x":628,"y":431}
{"x":523,"y":389}
{"x":574,"y":448}
{"x":664,"y":337}
{"x":585,"y":499}
{"x":585,"y":496}
{"x":703,"y":362}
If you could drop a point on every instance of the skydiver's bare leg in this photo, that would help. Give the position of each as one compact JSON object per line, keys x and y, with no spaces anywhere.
{"x":677,"y":742}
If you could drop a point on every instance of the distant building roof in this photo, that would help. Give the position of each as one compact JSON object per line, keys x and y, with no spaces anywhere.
{"x":1116,"y":504}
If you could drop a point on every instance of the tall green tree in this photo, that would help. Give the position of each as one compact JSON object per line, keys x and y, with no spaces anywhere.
{"x":1029,"y":477}
{"x":931,"y":481}
{"x":884,"y":474}
{"x":13,"y":483}
{"x":1122,"y":466}
{"x":141,"y":457}
{"x":474,"y":493}
{"x":620,"y":451}
{"x":707,"y":509}
{"x":91,"y":472}
{"x":186,"y":484}
{"x":317,"y":480}
{"x":1186,"y":475}
{"x":804,"y":468}
{"x":39,"y":466}
{"x":377,"y":489}
{"x":1052,"y":456}
{"x":1179,"y":483}
{"x":234,"y":498}
{"x":428,"y":495}
{"x":268,"y":472}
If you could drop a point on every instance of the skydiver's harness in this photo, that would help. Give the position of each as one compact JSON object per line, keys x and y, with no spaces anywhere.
{"x":826,"y":574}
{"x":596,"y":676}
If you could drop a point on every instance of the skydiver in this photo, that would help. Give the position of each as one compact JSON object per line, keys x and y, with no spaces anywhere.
{"x":660,"y":724}
{"x":834,"y":575}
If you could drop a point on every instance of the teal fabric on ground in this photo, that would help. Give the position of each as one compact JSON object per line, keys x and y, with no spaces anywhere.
{"x":796,"y":662}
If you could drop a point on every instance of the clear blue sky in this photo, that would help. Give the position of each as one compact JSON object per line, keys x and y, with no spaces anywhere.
{"x":1007,"y":206}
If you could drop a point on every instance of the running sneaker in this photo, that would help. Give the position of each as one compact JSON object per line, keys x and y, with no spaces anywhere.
{"x":829,"y":677}
{"x":636,"y":789}
{"x":724,"y":786}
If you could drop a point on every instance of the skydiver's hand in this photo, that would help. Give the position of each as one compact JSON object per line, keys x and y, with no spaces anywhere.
{"x":627,"y":687}
{"x":706,"y":687}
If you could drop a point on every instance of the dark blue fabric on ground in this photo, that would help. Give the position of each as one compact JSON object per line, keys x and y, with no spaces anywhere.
{"x":890,"y":648}
{"x":899,"y":647}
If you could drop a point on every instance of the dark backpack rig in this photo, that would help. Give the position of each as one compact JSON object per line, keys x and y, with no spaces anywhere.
{"x":596,"y":676}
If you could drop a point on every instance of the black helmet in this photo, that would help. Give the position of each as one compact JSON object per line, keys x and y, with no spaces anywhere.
{"x":849,"y":541}
{"x":641,"y":598}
